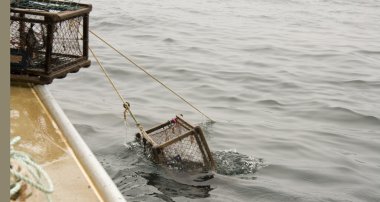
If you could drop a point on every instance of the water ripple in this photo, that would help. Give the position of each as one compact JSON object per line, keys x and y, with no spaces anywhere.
{"x":294,"y":82}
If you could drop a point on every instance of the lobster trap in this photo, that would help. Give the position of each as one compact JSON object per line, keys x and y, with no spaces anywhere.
{"x":46,"y":40}
{"x":178,"y":144}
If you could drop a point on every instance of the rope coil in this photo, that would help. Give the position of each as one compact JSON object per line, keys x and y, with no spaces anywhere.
{"x":20,"y":178}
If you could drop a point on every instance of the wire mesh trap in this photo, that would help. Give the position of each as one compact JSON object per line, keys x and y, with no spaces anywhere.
{"x":178,"y":144}
{"x":45,"y":39}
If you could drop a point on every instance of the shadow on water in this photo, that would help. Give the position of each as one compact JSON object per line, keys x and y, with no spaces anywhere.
{"x":172,"y":188}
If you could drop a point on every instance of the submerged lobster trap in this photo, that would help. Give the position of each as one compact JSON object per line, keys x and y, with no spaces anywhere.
{"x":46,"y":40}
{"x":178,"y":144}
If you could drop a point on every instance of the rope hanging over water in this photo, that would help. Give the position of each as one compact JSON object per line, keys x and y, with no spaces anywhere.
{"x":126,"y":104}
{"x":150,"y":75}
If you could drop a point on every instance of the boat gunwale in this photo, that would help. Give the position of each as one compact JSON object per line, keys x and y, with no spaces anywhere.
{"x":95,"y":171}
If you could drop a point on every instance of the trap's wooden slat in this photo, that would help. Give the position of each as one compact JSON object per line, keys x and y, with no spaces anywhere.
{"x":200,"y":132}
{"x":158,"y":127}
{"x":183,"y":122}
{"x":202,"y":151}
{"x":176,"y":139}
{"x":149,"y":139}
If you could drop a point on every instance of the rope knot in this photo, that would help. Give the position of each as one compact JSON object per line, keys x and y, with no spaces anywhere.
{"x":126,"y":105}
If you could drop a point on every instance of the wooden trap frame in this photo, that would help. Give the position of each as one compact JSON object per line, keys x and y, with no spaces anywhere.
{"x":178,"y":144}
{"x":45,"y":39}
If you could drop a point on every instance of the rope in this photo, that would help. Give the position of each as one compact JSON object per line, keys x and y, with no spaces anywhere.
{"x":16,"y":188}
{"x":126,"y":105}
{"x":107,"y":75}
{"x":153,"y":77}
{"x":30,"y":166}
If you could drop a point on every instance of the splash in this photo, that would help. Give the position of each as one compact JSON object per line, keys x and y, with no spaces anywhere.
{"x":228,"y":162}
{"x":234,"y":163}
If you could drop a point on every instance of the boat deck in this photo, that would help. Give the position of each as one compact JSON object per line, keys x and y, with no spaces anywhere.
{"x":45,"y":142}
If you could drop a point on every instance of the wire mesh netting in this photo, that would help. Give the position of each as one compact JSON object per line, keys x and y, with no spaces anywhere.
{"x":180,"y":146}
{"x":67,"y":41}
{"x":28,"y":42}
{"x":46,"y":40}
{"x":45,"y":5}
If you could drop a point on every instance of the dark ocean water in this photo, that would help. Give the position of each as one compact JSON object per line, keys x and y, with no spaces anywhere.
{"x":293,"y":85}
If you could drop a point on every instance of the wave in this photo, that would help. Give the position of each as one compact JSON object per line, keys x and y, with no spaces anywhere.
{"x":339,"y":114}
{"x":169,"y":40}
{"x":269,"y":102}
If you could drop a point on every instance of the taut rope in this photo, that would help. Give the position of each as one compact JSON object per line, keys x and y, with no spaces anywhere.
{"x":125,"y":103}
{"x":147,"y":73}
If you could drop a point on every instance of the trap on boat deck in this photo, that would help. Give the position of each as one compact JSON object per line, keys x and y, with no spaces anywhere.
{"x":46,"y":40}
{"x":178,"y":144}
